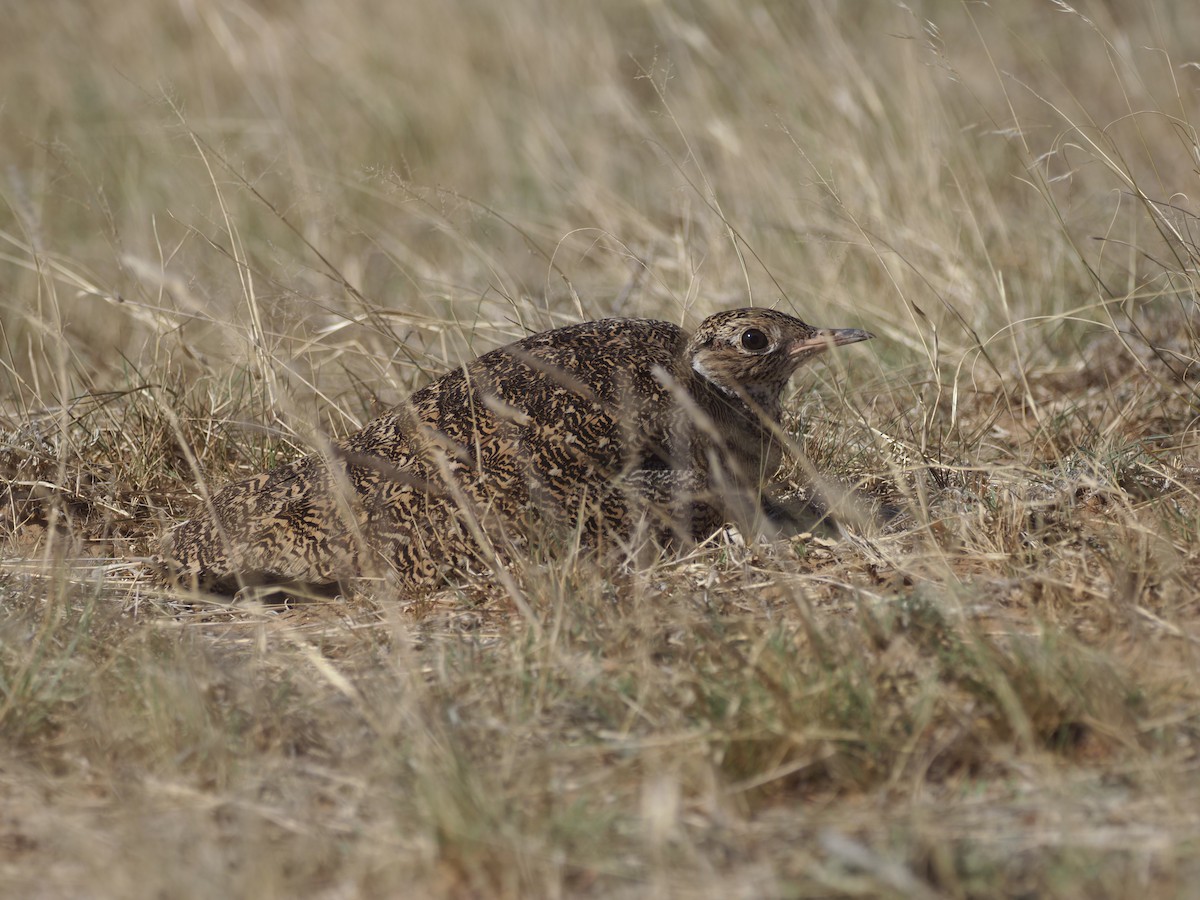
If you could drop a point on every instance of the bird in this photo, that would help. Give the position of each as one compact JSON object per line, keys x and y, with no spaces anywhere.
{"x":608,"y":429}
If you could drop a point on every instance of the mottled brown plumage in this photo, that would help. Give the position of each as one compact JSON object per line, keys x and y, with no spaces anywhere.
{"x":605,"y":427}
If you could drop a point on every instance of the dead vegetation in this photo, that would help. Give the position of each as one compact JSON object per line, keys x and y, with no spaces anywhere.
{"x":230,"y":227}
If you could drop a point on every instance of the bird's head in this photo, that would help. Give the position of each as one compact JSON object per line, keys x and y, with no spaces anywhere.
{"x":753,"y":352}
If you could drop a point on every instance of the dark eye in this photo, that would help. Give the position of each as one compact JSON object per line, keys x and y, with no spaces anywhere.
{"x":754,"y":340}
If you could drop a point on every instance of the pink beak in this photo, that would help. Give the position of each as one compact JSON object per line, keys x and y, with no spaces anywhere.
{"x":824,"y":338}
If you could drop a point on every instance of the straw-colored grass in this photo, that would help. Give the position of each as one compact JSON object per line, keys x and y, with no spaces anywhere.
{"x":232,"y":228}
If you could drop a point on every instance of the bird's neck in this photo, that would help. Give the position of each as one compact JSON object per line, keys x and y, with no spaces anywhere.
{"x":743,"y":422}
{"x":757,"y":403}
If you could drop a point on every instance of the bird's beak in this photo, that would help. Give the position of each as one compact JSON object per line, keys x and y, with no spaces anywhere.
{"x":824,"y":338}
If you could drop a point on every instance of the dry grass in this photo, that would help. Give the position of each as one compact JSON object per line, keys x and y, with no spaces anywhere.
{"x":232,"y":226}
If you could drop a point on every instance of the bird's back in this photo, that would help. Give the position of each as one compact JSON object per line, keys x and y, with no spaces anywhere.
{"x":539,"y":428}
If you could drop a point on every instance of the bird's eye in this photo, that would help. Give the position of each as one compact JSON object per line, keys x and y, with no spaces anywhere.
{"x":754,"y":340}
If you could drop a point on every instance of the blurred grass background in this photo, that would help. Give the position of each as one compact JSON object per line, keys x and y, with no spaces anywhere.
{"x":255,"y":174}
